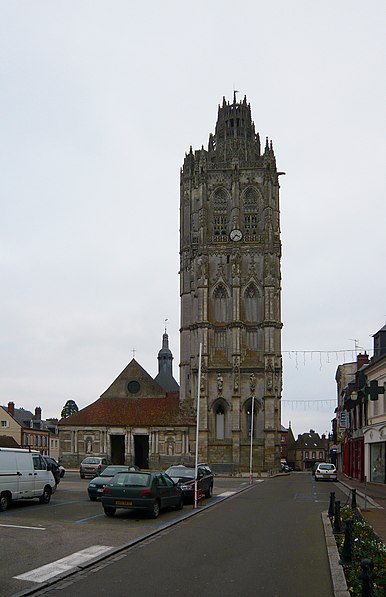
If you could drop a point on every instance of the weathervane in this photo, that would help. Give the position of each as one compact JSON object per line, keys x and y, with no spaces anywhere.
{"x":166,"y":320}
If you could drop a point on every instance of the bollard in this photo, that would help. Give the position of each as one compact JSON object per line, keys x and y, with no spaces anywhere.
{"x":332,"y":505}
{"x":337,"y":520}
{"x":347,"y":550}
{"x":367,"y":578}
{"x":353,"y":498}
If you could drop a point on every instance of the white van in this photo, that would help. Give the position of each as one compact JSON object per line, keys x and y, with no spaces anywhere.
{"x":24,"y":475}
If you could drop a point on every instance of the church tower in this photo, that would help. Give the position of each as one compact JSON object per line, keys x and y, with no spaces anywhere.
{"x":230,"y":287}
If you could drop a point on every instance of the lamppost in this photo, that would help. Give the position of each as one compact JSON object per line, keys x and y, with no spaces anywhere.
{"x":251,"y":450}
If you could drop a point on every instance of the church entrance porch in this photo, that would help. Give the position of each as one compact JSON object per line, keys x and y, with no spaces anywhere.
{"x":117,"y":443}
{"x":141,"y":451}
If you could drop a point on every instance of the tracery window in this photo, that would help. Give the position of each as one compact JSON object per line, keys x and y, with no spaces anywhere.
{"x":220,"y":300}
{"x":220,"y":219}
{"x":251,"y":298}
{"x":251,"y":214}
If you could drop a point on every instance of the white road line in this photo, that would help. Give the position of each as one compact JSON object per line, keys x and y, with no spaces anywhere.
{"x":16,"y":526}
{"x":64,"y":565}
{"x":226,"y":494}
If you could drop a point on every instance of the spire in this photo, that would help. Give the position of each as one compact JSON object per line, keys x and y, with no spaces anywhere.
{"x":165,"y":366}
{"x":234,"y":135}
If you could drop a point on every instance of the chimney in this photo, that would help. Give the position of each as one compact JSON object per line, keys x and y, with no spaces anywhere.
{"x":11,"y":409}
{"x":38,"y":413}
{"x":362,"y":359}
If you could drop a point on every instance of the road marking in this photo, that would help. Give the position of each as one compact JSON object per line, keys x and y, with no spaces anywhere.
{"x":226,"y":494}
{"x":63,"y":565}
{"x":17,"y":526}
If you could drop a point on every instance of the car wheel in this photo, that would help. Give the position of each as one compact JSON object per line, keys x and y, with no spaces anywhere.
{"x":208,"y":493}
{"x":154,"y":512}
{"x":109,"y":511}
{"x":5,"y":501}
{"x":180,"y":504}
{"x":92,"y":498}
{"x":46,"y":495}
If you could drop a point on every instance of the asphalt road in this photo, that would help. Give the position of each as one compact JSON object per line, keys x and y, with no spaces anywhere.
{"x":267,"y":540}
{"x":34,"y":535}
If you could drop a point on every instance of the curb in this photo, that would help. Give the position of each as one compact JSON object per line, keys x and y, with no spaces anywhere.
{"x":337,"y":575}
{"x":365,"y":497}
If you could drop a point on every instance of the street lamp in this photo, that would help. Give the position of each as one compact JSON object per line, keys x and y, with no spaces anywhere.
{"x":251,"y":450}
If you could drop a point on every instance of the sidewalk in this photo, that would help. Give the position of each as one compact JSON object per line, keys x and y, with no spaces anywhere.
{"x":374,"y":516}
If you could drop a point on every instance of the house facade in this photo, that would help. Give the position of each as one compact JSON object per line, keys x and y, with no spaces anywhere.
{"x":29,"y":430}
{"x":307,"y":450}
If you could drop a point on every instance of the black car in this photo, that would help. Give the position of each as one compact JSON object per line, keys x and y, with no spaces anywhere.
{"x":53,"y":466}
{"x":97,"y":484}
{"x":184,"y":477}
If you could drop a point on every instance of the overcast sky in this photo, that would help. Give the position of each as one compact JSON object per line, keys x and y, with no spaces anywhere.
{"x":99,"y":102}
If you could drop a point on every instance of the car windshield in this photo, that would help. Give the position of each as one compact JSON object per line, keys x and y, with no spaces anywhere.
{"x":327,"y":467}
{"x":91,"y":461}
{"x":110,"y":471}
{"x":132,"y":479}
{"x":181,"y":473}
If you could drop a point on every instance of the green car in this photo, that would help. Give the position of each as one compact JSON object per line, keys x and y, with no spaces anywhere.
{"x":97,"y":485}
{"x":150,"y":492}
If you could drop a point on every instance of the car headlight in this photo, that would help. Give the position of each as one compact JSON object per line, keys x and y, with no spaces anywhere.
{"x":186,"y":487}
{"x":92,"y":485}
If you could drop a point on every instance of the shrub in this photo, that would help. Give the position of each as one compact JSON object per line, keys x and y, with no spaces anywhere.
{"x":366,"y":544}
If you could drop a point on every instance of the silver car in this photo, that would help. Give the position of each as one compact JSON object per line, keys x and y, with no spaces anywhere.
{"x":325,"y":472}
{"x":92,"y":466}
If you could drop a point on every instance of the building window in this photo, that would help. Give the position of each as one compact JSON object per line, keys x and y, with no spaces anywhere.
{"x":220,"y":422}
{"x":248,"y":410}
{"x":5,"y":423}
{"x":220,"y":217}
{"x":321,"y":455}
{"x":220,"y":297}
{"x":313,"y":455}
{"x":306,"y":455}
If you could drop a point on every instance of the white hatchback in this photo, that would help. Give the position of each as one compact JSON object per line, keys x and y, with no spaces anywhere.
{"x":325,"y":471}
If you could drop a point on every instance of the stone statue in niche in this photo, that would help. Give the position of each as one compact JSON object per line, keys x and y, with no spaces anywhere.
{"x":236,"y":375}
{"x":269,"y":375}
{"x":252,"y":383}
{"x":202,"y":379}
{"x":88,"y":446}
{"x":220,"y":383}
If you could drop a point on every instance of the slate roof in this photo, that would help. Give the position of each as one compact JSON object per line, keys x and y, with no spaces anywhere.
{"x":141,"y":412}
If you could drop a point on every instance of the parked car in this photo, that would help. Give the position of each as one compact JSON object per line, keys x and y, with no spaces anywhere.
{"x":92,"y":466}
{"x":53,"y":466}
{"x":24,"y":475}
{"x":148,"y":491}
{"x":285,"y":468}
{"x":97,"y":484}
{"x":325,"y":471}
{"x":184,"y":477}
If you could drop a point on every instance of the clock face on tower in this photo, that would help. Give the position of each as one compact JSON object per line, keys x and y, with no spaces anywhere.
{"x":236,"y":235}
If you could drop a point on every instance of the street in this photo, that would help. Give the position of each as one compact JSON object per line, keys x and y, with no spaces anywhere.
{"x":266,"y":540}
{"x":33,"y":535}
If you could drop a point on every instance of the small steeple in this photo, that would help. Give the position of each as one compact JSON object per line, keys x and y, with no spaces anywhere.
{"x":165,"y":366}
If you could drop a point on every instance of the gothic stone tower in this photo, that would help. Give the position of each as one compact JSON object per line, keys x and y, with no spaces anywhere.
{"x":230,"y":287}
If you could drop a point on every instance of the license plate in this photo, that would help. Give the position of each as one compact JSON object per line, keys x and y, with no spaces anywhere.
{"x":123,"y":503}
{"x":99,"y":490}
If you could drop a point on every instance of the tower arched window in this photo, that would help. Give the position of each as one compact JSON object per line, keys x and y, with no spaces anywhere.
{"x":251,"y":302}
{"x":248,"y":413}
{"x":220,"y":421}
{"x":220,"y":215}
{"x":220,"y":300}
{"x":252,"y":214}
